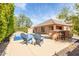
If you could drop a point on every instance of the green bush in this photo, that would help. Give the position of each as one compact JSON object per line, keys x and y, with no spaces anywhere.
{"x":24,"y":29}
{"x":6,"y":20}
{"x":10,"y":25}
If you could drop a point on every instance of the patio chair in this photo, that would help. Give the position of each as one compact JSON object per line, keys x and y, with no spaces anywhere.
{"x":38,"y":39}
{"x":24,"y":36}
{"x":30,"y":38}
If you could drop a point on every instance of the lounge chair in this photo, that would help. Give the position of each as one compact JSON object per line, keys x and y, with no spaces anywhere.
{"x":24,"y":36}
{"x":38,"y":39}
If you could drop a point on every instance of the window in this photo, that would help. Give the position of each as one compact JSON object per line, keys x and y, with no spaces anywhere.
{"x":51,"y":27}
{"x":59,"y":27}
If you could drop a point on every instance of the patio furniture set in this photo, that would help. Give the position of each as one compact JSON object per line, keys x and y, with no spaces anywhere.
{"x":28,"y":38}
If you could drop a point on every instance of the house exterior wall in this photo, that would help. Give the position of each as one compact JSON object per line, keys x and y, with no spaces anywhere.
{"x":67,"y":28}
{"x":40,"y":30}
{"x":48,"y":29}
{"x":37,"y":29}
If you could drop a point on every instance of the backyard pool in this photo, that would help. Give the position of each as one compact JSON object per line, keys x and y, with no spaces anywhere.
{"x":23,"y":36}
{"x":17,"y":37}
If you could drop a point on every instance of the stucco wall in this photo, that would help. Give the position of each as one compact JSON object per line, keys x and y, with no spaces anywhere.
{"x":47,"y":28}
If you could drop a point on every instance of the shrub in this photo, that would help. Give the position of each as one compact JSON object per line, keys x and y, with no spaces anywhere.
{"x":6,"y":19}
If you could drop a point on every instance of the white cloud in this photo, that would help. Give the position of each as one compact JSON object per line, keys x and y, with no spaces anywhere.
{"x":21,"y":5}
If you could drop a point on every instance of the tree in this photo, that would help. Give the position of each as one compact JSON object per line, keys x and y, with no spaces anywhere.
{"x":28,"y":22}
{"x":75,"y":20}
{"x":15,"y":22}
{"x":23,"y":22}
{"x":64,"y":13}
{"x":10,"y":18}
{"x":3,"y":22}
{"x":77,"y":8}
{"x":75,"y":27}
{"x":6,"y":19}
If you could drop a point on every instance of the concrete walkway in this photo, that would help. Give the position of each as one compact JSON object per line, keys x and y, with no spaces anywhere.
{"x":48,"y":48}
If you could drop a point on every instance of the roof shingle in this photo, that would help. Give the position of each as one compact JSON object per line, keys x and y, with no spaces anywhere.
{"x":52,"y":21}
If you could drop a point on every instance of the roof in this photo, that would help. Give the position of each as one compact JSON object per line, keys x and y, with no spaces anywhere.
{"x":52,"y":21}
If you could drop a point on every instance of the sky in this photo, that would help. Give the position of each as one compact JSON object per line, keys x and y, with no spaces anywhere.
{"x":40,"y":12}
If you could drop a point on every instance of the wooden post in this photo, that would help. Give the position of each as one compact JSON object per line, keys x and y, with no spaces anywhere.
{"x":54,"y":27}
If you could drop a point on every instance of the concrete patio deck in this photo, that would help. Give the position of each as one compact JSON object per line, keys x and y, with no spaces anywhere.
{"x":48,"y":48}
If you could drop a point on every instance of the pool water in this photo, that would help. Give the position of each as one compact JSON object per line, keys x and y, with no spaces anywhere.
{"x":17,"y":37}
